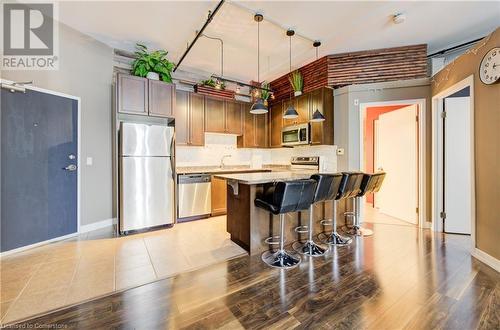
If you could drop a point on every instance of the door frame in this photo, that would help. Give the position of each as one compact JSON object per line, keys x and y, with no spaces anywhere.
{"x":437,"y":163}
{"x":421,"y":157}
{"x":78,"y":164}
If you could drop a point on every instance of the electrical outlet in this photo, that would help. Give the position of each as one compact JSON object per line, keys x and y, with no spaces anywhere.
{"x":89,"y":161}
{"x":356,"y":102}
{"x":340,"y":151}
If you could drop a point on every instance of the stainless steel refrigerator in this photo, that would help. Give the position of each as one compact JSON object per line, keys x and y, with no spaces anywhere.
{"x":146,"y":176}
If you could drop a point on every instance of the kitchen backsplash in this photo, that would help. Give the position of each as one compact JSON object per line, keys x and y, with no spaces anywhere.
{"x":218,"y":145}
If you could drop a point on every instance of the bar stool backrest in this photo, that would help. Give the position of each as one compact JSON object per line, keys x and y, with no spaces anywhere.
{"x":350,"y":185}
{"x":371,"y":183}
{"x":327,"y":186}
{"x":293,"y":196}
{"x":378,"y":178}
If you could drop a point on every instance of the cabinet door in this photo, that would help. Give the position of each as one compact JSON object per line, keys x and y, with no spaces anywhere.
{"x":248,"y":138}
{"x":276,"y":123}
{"x":302,"y":107}
{"x":317,"y":128}
{"x":181,"y":118}
{"x":214,"y":115}
{"x":219,"y":195}
{"x":196,"y":120}
{"x":260,"y":128}
{"x":132,"y":94}
{"x":161,"y":99}
{"x":234,"y":120}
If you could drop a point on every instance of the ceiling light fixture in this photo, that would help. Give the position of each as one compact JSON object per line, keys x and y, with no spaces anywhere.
{"x":258,"y":107}
{"x":290,"y":112}
{"x":317,"y":115}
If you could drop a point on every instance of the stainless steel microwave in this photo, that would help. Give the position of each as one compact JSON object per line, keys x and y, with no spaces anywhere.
{"x":295,"y":135}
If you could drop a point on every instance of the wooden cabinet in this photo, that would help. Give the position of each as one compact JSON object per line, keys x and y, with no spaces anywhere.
{"x":189,"y":119}
{"x":161,"y":99}
{"x":132,"y":94}
{"x":219,"y":196}
{"x":196,"y":120}
{"x":214,"y":115}
{"x":301,"y":105}
{"x":322,"y":100}
{"x":234,"y":117}
{"x":141,"y":96}
{"x":223,"y":116}
{"x":275,"y":125}
{"x":255,"y":130}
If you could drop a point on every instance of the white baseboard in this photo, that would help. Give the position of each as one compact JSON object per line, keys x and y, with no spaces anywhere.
{"x":97,"y":225}
{"x":487,"y":259}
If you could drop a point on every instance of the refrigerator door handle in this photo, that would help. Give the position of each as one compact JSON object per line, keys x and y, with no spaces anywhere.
{"x":172,"y":156}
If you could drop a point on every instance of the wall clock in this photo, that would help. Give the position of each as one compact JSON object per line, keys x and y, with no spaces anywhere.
{"x":489,"y":69}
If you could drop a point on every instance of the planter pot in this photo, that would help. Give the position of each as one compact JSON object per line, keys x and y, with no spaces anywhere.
{"x":153,"y":76}
{"x":297,"y":93}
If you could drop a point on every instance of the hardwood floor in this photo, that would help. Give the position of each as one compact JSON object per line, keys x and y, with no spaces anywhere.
{"x":401,"y":277}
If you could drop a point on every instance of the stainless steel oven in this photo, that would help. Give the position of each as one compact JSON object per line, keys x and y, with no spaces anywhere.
{"x":295,"y":135}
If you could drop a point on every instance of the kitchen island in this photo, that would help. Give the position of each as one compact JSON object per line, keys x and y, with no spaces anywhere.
{"x":249,"y":225}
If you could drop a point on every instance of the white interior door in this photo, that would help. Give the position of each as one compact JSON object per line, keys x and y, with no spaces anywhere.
{"x":396,"y":146}
{"x":457,"y":166}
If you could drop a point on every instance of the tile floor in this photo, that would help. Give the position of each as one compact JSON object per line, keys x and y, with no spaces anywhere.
{"x":97,"y":263}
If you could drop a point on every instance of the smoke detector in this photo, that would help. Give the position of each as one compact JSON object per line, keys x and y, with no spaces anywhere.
{"x":398,"y":18}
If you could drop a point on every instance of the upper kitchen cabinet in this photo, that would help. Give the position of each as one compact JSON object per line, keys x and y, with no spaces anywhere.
{"x":276,"y":124}
{"x":322,"y":100}
{"x":142,"y":96}
{"x":189,"y":119}
{"x":214,"y":115}
{"x":132,"y":94}
{"x":161,"y":99}
{"x":255,"y":130}
{"x":223,"y":116}
{"x":301,"y":105}
{"x":234,"y":118}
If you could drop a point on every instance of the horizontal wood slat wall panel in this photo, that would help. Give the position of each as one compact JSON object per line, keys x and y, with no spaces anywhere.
{"x":378,"y":65}
{"x":210,"y":91}
{"x":399,"y":63}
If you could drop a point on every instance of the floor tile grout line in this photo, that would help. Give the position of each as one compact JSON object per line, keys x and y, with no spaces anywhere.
{"x":149,"y":256}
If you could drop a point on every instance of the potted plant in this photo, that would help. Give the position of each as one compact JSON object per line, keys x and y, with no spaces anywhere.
{"x":296,"y":81}
{"x":265,"y":93}
{"x":153,"y":65}
{"x":214,"y":83}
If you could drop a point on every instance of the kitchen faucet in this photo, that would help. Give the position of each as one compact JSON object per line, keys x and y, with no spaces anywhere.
{"x":222,"y":160}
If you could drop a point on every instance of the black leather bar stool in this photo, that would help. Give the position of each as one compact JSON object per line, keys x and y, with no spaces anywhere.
{"x":281,"y":198}
{"x":370,"y":183}
{"x":348,"y":187}
{"x":326,"y":184}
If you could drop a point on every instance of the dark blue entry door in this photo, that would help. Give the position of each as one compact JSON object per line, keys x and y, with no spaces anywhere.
{"x":39,"y":133}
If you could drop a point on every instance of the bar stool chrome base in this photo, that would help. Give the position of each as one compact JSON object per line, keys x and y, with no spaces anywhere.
{"x":280,"y":259}
{"x":357,"y":231}
{"x":337,"y":239}
{"x":309,"y":248}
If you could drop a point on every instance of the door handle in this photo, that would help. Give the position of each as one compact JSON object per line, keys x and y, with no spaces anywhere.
{"x":70,"y":168}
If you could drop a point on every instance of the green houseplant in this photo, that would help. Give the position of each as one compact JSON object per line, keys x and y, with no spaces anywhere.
{"x":147,"y":62}
{"x":214,"y":83}
{"x":296,"y":81}
{"x":264,"y":93}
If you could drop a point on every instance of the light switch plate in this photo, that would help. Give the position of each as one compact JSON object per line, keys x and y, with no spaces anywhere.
{"x":340,"y":151}
{"x":89,"y":161}
{"x":356,"y":102}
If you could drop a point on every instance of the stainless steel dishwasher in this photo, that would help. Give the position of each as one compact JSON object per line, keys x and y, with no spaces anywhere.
{"x":194,"y":195}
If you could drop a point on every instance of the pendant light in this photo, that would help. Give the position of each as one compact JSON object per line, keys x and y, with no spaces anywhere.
{"x":317,"y":115}
{"x":258,"y":107}
{"x":290,"y":112}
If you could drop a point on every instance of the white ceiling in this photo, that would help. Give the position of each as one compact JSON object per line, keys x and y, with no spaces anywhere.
{"x":341,"y":27}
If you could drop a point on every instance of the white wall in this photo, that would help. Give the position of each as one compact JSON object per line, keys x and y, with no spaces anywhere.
{"x":217,"y":145}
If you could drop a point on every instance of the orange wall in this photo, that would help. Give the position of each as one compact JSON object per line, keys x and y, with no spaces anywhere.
{"x":372,"y":114}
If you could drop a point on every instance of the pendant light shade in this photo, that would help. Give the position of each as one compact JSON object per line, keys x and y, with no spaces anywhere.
{"x":317,"y":117}
{"x":258,"y":107}
{"x":290,"y":113}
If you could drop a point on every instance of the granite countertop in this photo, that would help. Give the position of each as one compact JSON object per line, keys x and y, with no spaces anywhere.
{"x":228,"y":169}
{"x":266,"y":177}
